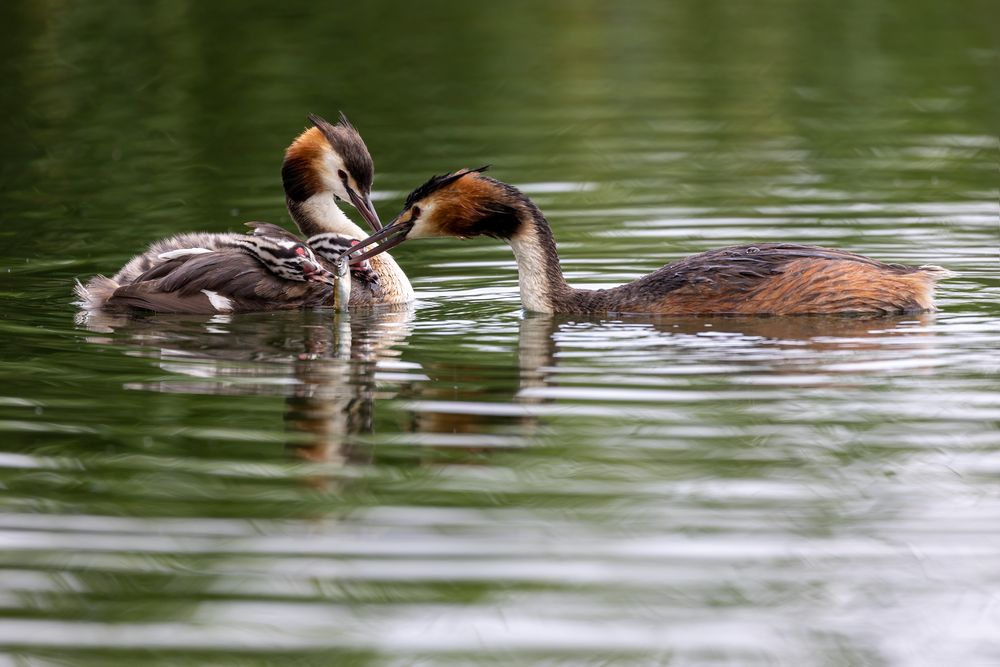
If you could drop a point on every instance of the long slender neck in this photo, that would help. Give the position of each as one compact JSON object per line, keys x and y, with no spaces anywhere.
{"x":319,"y":214}
{"x":540,"y":277}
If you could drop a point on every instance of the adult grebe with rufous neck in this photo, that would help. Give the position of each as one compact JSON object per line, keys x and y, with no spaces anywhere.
{"x":760,"y":279}
{"x":326,"y":163}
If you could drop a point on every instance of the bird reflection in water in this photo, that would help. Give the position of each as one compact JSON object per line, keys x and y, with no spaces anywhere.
{"x":336,"y":388}
{"x":584,"y":352}
{"x":327,"y":367}
{"x":331,"y":370}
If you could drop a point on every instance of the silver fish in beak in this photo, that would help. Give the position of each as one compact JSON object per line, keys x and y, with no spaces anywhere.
{"x":342,"y":288}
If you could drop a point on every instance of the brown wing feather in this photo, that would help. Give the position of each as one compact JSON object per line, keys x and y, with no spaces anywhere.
{"x":150,"y":258}
{"x":144,"y":296}
{"x":179,"y":286}
{"x":162,"y":269}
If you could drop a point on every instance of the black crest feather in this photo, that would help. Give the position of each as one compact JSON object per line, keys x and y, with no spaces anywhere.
{"x":343,"y":122}
{"x":347,"y":141}
{"x":437,"y":182}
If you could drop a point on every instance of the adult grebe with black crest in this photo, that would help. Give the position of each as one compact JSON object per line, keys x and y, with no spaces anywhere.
{"x":759,"y":279}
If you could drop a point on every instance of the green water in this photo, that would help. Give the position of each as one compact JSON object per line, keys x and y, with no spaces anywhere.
{"x":459,"y":483}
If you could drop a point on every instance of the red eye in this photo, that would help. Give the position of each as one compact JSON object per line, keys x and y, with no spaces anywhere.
{"x":300,"y":251}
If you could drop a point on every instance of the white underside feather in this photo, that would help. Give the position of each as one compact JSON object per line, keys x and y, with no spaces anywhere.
{"x":182,"y":252}
{"x":219,"y":302}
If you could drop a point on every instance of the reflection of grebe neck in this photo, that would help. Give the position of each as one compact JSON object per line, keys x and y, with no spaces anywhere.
{"x":536,"y":350}
{"x":334,"y":397}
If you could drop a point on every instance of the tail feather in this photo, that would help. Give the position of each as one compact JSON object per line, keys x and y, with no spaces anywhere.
{"x":95,"y":293}
{"x":937,"y":272}
{"x":924,"y":280}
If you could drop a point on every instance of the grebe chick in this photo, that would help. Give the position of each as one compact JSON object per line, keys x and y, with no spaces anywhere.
{"x":762,"y":279}
{"x":326,"y":163}
{"x":266,"y":270}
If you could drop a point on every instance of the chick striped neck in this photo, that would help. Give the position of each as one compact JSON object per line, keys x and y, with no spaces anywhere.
{"x":275,"y":255}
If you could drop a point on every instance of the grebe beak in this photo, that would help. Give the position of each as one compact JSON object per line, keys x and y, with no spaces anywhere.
{"x":388,"y":237}
{"x":317,"y":274}
{"x":366,"y":208}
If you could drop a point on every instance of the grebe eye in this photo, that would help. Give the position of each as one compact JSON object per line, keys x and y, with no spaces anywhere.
{"x":414,"y":213}
{"x":300,"y":251}
{"x":342,"y":175}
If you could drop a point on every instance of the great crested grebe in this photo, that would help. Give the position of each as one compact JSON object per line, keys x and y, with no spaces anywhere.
{"x":761,"y":279}
{"x":325,"y":163}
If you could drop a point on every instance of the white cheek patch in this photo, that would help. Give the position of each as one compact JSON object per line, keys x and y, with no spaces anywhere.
{"x":219,"y":302}
{"x":332,"y":165}
{"x":421,"y":229}
{"x":183,"y":252}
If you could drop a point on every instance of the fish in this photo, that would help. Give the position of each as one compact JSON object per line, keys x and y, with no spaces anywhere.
{"x":342,"y":290}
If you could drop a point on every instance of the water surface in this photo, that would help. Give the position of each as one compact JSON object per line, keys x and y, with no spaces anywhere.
{"x":458,"y":482}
